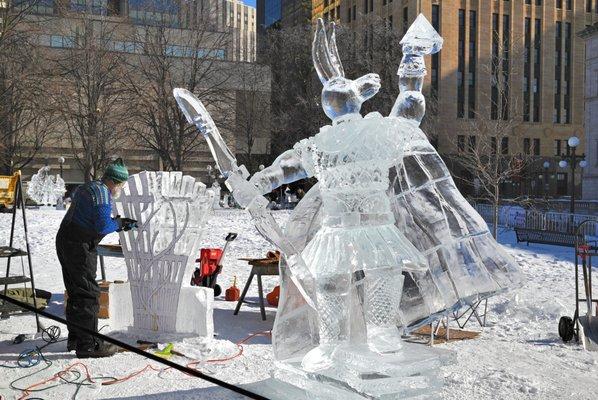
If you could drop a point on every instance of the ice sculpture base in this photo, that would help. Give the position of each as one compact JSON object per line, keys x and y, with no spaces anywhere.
{"x":414,"y":372}
{"x":194,"y":313}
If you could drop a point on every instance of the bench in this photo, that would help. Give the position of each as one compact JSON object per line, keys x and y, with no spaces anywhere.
{"x":547,"y":237}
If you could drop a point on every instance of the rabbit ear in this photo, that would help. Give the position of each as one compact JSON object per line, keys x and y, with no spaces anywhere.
{"x":321,"y":55}
{"x":335,"y":59}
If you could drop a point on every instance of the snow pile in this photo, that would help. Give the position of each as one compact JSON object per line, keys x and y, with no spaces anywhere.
{"x":518,"y":355}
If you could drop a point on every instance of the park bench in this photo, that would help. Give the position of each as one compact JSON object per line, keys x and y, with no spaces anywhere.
{"x":547,"y":237}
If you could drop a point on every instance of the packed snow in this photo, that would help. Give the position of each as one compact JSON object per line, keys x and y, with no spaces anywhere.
{"x":519,"y":354}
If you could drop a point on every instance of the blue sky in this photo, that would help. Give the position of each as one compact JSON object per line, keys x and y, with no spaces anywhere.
{"x":250,"y":2}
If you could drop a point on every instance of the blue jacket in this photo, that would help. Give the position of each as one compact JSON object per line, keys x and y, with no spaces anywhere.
{"x":91,"y":209}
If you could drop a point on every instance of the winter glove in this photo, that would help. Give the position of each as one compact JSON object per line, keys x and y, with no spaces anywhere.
{"x":125,"y":224}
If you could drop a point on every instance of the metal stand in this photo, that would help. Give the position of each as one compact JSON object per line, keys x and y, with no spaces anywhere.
{"x":19,"y":201}
{"x":473,"y":312}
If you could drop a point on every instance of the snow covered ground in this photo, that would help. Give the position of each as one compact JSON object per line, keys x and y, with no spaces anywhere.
{"x":518,"y":355}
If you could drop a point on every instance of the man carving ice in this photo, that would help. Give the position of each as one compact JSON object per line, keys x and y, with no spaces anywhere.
{"x":86,"y":222}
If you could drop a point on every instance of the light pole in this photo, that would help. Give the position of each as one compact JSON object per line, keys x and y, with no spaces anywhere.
{"x":571,"y":161}
{"x":61,"y":161}
{"x":209,"y":169}
{"x":546,"y":165}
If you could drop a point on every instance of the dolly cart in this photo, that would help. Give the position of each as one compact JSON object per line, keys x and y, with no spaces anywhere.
{"x":584,"y":327}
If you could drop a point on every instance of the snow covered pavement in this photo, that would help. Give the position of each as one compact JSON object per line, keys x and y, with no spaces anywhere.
{"x":518,"y":356}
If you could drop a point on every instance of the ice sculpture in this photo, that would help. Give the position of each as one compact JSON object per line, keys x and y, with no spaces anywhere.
{"x":46,"y":189}
{"x":171,"y":210}
{"x":465,"y":263}
{"x":337,"y":333}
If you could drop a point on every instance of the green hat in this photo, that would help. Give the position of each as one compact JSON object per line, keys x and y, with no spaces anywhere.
{"x":117,"y":171}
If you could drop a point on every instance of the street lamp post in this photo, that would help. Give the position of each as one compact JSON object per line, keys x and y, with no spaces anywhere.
{"x":211,"y":174}
{"x":571,"y":161}
{"x":61,"y":161}
{"x":546,"y":165}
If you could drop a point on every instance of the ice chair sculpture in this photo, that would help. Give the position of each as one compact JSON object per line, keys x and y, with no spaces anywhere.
{"x":171,"y":210}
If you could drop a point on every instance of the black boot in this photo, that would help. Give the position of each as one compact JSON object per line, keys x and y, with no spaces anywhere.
{"x":97,"y":349}
{"x":71,"y":343}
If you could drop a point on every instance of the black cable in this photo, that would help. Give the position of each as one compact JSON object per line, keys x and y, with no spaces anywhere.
{"x":135,"y":350}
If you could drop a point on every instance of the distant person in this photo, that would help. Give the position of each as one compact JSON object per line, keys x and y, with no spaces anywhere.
{"x":85,"y":224}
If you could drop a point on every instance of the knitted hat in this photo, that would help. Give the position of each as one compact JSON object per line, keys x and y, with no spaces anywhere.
{"x":117,"y":171}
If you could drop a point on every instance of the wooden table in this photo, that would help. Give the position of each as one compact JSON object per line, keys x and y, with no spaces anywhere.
{"x":259,"y":267}
{"x":108,"y":250}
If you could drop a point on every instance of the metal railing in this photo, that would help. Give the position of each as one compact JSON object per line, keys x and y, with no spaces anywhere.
{"x":518,"y":217}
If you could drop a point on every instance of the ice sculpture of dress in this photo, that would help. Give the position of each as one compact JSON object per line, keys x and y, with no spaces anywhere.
{"x":465,"y":262}
{"x":171,"y":210}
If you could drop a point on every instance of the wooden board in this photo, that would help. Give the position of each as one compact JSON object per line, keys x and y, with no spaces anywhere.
{"x":117,"y":248}
{"x":261,"y":261}
{"x":440,"y":337}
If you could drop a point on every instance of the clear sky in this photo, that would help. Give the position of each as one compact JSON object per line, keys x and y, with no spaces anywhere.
{"x":250,"y":2}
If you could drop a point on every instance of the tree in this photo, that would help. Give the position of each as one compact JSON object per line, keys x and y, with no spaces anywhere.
{"x":25,"y":120}
{"x":490,"y":156}
{"x":252,"y":111}
{"x":169,"y":58}
{"x":90,"y":98}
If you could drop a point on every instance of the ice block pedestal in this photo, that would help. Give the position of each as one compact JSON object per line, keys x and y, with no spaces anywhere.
{"x":413,"y":372}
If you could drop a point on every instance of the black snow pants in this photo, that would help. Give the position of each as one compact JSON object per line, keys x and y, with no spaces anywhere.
{"x":77,"y":253}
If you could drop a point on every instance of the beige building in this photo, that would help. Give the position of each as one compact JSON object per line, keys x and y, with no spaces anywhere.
{"x":242,"y":19}
{"x":545,"y":62}
{"x":590,"y":173}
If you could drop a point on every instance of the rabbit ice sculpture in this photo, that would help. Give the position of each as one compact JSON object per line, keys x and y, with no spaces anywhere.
{"x":340,"y":96}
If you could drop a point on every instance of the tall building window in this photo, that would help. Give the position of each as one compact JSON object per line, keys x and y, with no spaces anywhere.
{"x":558,"y":56}
{"x":461,"y":143}
{"x":538,"y":2}
{"x":527,"y":146}
{"x":537,"y":83}
{"x":506,"y":44}
{"x":559,"y":3}
{"x":435,"y":57}
{"x":366,"y":6}
{"x":588,"y":5}
{"x":461,"y":67}
{"x":557,"y":147}
{"x":568,"y":69}
{"x":493,"y":145}
{"x":504,"y":145}
{"x":494,"y":100}
{"x":569,"y":4}
{"x":405,"y":19}
{"x":527,"y":56}
{"x":536,"y":147}
{"x":471,"y":144}
{"x":471,"y":78}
